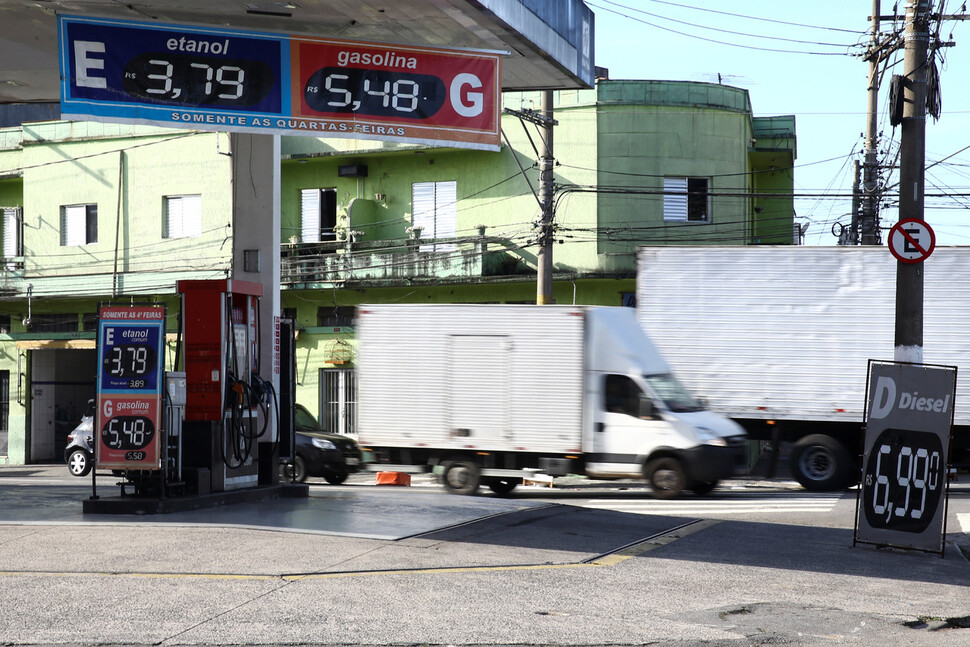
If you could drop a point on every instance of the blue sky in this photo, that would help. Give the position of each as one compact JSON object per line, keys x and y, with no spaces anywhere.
{"x":803,"y":59}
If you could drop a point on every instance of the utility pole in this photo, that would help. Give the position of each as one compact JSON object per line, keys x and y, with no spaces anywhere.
{"x":546,"y":197}
{"x":852,"y":238}
{"x":869,"y":221}
{"x":912,"y":154}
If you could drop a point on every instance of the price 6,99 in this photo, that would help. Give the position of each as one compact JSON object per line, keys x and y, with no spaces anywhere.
{"x":903,"y":480}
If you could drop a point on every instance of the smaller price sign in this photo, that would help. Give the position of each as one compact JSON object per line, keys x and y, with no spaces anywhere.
{"x":902,"y":500}
{"x":128,"y":433}
{"x":130,"y":350}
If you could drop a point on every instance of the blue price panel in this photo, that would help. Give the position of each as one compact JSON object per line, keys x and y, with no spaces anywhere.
{"x":122,"y":63}
{"x":129,"y":356}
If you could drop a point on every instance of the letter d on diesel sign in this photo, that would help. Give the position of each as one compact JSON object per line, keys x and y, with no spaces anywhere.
{"x":884,"y":397}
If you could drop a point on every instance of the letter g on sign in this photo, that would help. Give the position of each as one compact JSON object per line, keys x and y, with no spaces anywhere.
{"x":473,"y":103}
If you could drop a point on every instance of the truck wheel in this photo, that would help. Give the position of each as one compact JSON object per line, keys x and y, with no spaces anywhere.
{"x":295,"y":471}
{"x":502,"y":486}
{"x":820,"y":463}
{"x":461,"y":477}
{"x":702,"y":487}
{"x":666,"y":477}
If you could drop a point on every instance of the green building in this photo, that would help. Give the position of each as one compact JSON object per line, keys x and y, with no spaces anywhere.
{"x":99,"y":213}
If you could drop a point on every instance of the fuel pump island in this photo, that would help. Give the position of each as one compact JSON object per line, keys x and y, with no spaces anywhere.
{"x":191,"y":438}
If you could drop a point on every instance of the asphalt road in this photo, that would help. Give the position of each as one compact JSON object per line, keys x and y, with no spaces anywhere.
{"x":754,"y":563}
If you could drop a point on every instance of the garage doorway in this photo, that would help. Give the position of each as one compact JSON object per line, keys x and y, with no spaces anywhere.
{"x":62,"y":381}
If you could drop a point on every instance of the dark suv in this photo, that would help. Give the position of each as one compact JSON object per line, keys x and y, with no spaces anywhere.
{"x":318,"y":453}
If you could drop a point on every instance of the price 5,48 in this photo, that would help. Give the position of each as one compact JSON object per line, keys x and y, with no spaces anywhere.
{"x":128,"y":433}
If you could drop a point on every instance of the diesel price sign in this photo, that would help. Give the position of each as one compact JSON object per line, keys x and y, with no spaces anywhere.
{"x":902,"y":500}
{"x":230,"y":80}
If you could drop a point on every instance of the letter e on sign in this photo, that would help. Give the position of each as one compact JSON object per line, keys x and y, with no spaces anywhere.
{"x":911,"y":240}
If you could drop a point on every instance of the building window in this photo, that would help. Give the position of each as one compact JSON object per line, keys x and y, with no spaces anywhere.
{"x":335,"y":316}
{"x":434,"y":208}
{"x":182,"y":217}
{"x":13,"y":240}
{"x":58,"y":322}
{"x":318,"y":215}
{"x":79,"y":224}
{"x":687,"y":199}
{"x":89,"y":322}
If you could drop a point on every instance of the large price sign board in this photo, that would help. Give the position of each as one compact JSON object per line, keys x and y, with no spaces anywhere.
{"x":130,"y":351}
{"x":902,"y":500}
{"x":229,"y":80}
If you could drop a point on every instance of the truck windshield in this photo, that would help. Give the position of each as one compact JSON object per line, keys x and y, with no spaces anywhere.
{"x":673,"y":393}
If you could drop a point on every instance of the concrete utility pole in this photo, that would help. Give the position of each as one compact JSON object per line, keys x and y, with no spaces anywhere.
{"x":546,"y":201}
{"x":912,"y":154}
{"x":869,"y":221}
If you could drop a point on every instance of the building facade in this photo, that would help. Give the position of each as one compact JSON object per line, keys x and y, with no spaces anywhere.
{"x":99,"y":213}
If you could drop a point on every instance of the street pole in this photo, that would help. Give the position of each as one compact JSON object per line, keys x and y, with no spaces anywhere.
{"x":546,"y":197}
{"x":869,"y":221}
{"x":853,"y":237}
{"x":912,"y":153}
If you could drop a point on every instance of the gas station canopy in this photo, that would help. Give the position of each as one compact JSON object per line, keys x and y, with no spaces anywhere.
{"x":548,"y":44}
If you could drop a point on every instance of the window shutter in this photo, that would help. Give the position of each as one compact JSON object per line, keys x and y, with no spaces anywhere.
{"x":446,"y":213}
{"x":310,"y":215}
{"x":422,"y":211}
{"x":434,"y":208}
{"x":192,"y":215}
{"x":74,"y":225}
{"x":173,"y":218}
{"x":675,"y":198}
{"x":183,"y":216}
{"x":11,"y":232}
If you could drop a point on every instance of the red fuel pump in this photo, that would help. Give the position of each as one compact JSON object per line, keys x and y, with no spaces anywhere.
{"x":227,"y":404}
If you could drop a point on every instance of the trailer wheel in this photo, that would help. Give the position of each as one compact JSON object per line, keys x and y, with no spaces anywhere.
{"x":502,"y":486}
{"x":666,"y":477}
{"x":461,"y":477}
{"x":820,"y":463}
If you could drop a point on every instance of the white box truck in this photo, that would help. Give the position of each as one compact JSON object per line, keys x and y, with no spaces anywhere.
{"x":493,"y":394}
{"x":779,"y":339}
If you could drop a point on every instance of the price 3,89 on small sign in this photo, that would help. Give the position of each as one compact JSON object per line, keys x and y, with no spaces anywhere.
{"x":902,"y":500}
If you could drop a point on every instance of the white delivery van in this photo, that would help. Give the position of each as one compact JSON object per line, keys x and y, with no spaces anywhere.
{"x":493,"y":394}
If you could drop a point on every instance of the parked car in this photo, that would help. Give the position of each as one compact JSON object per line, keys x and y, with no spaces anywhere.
{"x":79,"y":452}
{"x":318,"y":453}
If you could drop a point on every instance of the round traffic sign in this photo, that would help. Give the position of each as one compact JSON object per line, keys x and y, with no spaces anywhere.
{"x":911,"y":240}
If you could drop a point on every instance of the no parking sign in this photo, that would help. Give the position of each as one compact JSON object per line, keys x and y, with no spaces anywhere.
{"x":911,"y":240}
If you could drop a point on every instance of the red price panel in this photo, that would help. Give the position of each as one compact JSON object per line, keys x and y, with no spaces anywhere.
{"x":396,"y":92}
{"x":128,"y":437}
